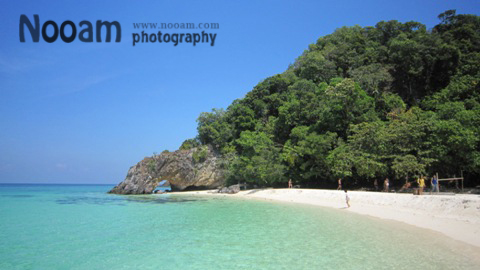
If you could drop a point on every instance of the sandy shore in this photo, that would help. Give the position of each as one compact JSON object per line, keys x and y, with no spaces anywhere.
{"x":457,"y":216}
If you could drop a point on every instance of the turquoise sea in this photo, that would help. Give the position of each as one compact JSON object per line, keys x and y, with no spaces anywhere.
{"x":82,"y":227}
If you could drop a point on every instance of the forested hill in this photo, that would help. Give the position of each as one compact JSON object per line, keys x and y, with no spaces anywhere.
{"x":396,"y":100}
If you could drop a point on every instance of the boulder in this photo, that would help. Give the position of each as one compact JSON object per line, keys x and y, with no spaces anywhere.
{"x":230,"y":190}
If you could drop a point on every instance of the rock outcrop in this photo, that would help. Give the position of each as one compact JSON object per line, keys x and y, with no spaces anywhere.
{"x":197,"y":168}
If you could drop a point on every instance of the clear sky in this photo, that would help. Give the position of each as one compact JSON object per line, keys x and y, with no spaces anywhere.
{"x":85,"y":112}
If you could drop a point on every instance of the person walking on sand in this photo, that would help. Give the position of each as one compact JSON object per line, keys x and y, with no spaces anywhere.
{"x":347,"y":199}
{"x":434,"y":183}
{"x":290,"y":185}
{"x":421,"y":185}
{"x":386,"y":183}
{"x":339,"y":184}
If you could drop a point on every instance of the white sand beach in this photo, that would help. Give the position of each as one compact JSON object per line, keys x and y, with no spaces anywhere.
{"x":456,"y":216}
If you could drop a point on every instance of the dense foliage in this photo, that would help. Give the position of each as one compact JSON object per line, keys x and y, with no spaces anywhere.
{"x":395,"y":100}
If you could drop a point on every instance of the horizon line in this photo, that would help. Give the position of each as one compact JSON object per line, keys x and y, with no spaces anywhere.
{"x":25,"y":183}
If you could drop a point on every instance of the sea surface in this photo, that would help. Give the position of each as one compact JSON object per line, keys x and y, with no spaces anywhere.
{"x":82,"y":227}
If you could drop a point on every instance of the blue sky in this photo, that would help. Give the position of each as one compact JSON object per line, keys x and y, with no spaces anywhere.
{"x":86,"y":112}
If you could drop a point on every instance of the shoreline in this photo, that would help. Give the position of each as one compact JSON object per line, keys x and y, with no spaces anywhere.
{"x":456,"y":216}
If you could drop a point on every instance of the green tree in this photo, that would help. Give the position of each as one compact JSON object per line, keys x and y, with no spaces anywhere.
{"x":314,"y":67}
{"x":258,"y":160}
{"x":214,"y":129}
{"x":305,"y":154}
{"x":189,"y":144}
{"x":343,"y":104}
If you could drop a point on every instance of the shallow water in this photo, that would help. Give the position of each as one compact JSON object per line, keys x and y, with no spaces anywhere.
{"x":81,"y":227}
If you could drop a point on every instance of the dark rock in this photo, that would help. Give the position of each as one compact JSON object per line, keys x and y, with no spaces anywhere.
{"x":234,"y":188}
{"x":230,"y":190}
{"x":223,"y":190}
{"x":179,"y":168}
{"x":475,"y":190}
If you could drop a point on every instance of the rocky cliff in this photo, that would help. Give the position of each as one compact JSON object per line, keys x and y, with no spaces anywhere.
{"x":197,"y":168}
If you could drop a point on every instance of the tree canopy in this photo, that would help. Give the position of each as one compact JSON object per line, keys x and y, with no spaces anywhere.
{"x":394,"y":100}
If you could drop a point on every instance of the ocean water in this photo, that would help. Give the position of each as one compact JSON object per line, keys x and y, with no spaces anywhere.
{"x":82,"y":227}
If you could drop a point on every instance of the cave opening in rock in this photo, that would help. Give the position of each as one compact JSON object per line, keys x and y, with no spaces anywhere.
{"x":163,"y":186}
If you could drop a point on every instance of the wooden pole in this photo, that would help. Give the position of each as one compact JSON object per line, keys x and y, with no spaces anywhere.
{"x":461,"y":174}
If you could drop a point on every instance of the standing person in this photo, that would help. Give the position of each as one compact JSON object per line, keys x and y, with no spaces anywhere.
{"x":421,"y":185}
{"x":347,"y":199}
{"x":386,"y":183}
{"x":290,"y":185}
{"x":375,"y":184}
{"x":339,"y":184}
{"x":434,"y":183}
